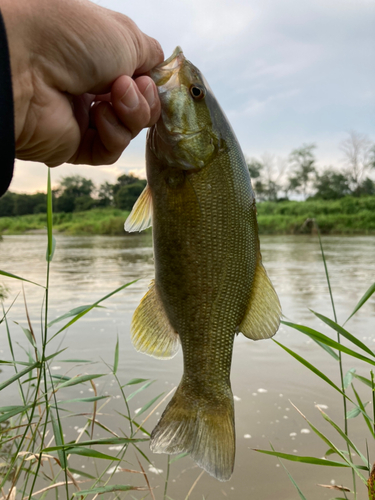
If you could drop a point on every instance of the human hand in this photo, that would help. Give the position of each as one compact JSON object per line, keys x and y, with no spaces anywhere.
{"x":72,"y":63}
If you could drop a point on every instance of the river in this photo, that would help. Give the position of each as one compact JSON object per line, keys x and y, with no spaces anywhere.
{"x":265,"y":379}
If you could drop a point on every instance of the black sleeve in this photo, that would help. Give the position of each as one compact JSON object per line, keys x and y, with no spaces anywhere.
{"x":7,"y":146}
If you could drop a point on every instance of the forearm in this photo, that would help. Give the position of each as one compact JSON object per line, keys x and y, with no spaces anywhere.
{"x":7,"y":147}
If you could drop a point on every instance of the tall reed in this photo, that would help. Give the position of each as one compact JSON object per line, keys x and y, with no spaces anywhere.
{"x":347,"y":391}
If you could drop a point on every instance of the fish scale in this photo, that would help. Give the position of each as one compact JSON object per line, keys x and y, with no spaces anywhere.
{"x":209,"y":279}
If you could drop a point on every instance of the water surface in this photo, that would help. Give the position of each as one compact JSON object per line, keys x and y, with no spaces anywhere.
{"x":265,"y":379}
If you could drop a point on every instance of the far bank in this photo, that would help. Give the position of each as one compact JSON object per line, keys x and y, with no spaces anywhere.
{"x":349,"y":215}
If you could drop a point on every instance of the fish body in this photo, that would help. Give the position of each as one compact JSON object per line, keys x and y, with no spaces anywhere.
{"x":209,"y":279}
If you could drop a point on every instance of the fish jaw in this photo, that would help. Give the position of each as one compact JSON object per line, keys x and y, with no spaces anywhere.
{"x":185,"y":136}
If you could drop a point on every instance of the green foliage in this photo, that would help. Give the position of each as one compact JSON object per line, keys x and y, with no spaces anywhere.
{"x":303,"y":164}
{"x":255,"y":167}
{"x":74,"y":194}
{"x":331,"y":185}
{"x":127,"y":195}
{"x":347,"y":215}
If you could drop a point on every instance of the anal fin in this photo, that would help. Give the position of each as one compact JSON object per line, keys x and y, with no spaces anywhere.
{"x":140,"y":217}
{"x":151,"y":330}
{"x":262,"y":318}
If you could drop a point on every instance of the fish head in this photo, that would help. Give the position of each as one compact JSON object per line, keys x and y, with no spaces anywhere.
{"x":188,"y":134}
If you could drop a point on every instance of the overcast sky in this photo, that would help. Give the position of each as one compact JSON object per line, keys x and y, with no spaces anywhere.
{"x":286,"y":72}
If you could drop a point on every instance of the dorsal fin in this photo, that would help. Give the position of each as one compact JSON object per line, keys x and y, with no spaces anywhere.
{"x":140,"y":217}
{"x":262,"y":318}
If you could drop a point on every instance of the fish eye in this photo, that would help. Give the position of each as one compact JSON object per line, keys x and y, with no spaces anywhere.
{"x":197,"y":92}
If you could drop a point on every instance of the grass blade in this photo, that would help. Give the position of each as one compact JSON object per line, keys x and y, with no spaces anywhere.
{"x":91,"y":442}
{"x":368,"y":420}
{"x":19,"y":375}
{"x":344,"y":436}
{"x":310,"y":367}
{"x":16,"y":410}
{"x":115,"y":363}
{"x":109,"y":489}
{"x":328,"y":341}
{"x":72,"y":312}
{"x":339,"y":329}
{"x":131,"y":396}
{"x":330,"y":351}
{"x":84,"y":400}
{"x":134,"y":381}
{"x":301,"y":495}
{"x":364,"y":380}
{"x":10,"y":275}
{"x":79,"y":380}
{"x":349,"y":377}
{"x":332,"y":446}
{"x":147,"y":405}
{"x":87,"y":452}
{"x":82,"y":313}
{"x":362,"y":301}
{"x":59,"y":439}
{"x":50,"y":239}
{"x":305,"y":460}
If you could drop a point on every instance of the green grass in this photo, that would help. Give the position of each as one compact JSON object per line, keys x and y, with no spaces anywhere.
{"x":97,"y":221}
{"x":348,"y":215}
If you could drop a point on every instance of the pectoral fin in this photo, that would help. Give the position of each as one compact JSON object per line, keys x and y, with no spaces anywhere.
{"x":151,"y":331}
{"x":140,"y":217}
{"x":262,"y":318}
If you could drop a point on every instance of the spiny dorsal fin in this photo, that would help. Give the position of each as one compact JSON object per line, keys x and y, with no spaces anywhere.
{"x":262,"y":318}
{"x":151,"y":331}
{"x":140,"y":217}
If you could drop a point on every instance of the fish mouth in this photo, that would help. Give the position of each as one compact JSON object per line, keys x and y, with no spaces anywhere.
{"x":163,"y":72}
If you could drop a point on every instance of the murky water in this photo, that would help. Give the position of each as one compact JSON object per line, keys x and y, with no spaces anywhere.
{"x":265,"y":379}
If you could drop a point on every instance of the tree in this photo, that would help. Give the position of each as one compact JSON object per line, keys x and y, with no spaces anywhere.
{"x":255,"y":167}
{"x":302,"y":161}
{"x":76,"y":185}
{"x":268,"y":172}
{"x":128,"y":194}
{"x":331,"y":185}
{"x":105,"y":195}
{"x":7,"y":203}
{"x":366,"y":188}
{"x":74,"y":193}
{"x":359,"y":157}
{"x":124,"y":180}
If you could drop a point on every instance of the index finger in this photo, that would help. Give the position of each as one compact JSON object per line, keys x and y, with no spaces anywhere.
{"x":150,"y":55}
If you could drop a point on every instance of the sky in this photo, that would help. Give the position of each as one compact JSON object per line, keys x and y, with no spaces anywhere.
{"x":286,"y":73}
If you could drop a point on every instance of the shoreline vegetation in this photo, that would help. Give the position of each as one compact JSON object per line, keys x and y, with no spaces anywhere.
{"x":348,"y":215}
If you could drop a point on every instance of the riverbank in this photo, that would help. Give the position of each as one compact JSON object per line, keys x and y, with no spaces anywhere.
{"x":348,"y":215}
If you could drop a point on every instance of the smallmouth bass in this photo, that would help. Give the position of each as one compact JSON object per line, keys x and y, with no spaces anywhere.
{"x":210,"y":283}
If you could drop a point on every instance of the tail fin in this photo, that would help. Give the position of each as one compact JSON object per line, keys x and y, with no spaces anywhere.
{"x":200,"y":427}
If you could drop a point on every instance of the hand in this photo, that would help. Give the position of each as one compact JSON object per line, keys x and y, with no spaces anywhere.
{"x":72,"y":66}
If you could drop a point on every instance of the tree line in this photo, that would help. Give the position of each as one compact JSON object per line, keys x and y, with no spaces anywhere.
{"x":74,"y":194}
{"x":277,"y":179}
{"x":273,"y":179}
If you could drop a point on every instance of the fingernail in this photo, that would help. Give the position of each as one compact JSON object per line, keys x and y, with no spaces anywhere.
{"x":130,"y":99}
{"x":109,"y":116}
{"x":150,"y":94}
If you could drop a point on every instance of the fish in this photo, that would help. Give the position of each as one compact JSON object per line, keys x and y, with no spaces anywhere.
{"x":210,"y":283}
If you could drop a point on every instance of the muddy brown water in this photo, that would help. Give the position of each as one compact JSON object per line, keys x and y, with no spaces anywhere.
{"x":265,"y":379}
